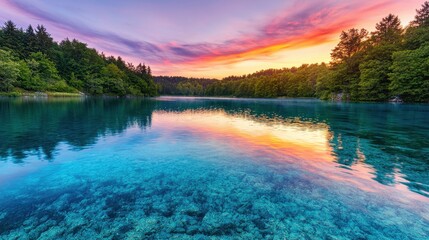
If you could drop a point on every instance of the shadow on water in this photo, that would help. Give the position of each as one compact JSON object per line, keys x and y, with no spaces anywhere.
{"x":37,"y":126}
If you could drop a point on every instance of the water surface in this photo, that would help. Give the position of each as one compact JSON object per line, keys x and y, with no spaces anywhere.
{"x":205,"y":168}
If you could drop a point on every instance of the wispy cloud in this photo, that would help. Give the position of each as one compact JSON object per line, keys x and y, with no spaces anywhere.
{"x":113,"y":42}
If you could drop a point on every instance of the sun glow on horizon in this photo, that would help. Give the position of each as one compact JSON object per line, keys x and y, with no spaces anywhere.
{"x":301,"y":144}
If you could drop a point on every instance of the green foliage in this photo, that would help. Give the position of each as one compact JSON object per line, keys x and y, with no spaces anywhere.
{"x":30,"y":40}
{"x":44,"y":41}
{"x":415,"y":37}
{"x":32,"y":61}
{"x":374,"y":70}
{"x":12,"y":39}
{"x":43,"y":68}
{"x":377,"y":59}
{"x":78,"y":63}
{"x":373,"y":80}
{"x":390,"y":62}
{"x":113,"y":79}
{"x":182,"y":85}
{"x":410,"y":74}
{"x":10,"y":94}
{"x":389,"y":30}
{"x":28,"y":78}
{"x":94,"y":86}
{"x":351,"y":42}
{"x":190,"y":89}
{"x":9,"y":71}
{"x":287,"y":82}
{"x":61,"y":86}
{"x":325,"y":84}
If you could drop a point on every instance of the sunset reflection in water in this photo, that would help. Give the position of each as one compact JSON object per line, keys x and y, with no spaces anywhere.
{"x":298,"y":144}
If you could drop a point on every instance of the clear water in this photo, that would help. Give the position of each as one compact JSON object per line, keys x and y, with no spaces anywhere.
{"x":192,"y":168}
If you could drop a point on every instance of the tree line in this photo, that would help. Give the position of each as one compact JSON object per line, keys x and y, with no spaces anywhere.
{"x":390,"y":62}
{"x":31,"y":61}
{"x":182,"y":86}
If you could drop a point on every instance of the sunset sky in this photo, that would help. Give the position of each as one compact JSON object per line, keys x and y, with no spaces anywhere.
{"x":210,"y":38}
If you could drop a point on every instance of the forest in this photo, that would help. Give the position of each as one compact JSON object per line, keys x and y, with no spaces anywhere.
{"x":391,"y":62}
{"x":31,"y":61}
{"x":182,"y":86}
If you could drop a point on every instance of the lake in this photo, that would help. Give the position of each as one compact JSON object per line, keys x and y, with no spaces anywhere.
{"x":212,"y":168}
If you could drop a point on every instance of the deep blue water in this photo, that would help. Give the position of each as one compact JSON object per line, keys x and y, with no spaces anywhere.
{"x":193,"y":168}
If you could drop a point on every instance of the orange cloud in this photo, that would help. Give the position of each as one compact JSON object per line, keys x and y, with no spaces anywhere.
{"x":303,"y":27}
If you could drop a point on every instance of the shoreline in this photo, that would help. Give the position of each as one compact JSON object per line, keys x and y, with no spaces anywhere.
{"x":83,"y":95}
{"x":290,"y":98}
{"x":41,"y":94}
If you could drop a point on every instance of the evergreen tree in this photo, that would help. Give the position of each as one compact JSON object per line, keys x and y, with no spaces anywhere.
{"x":422,"y":17}
{"x":30,"y":41}
{"x":418,"y":34}
{"x":351,"y":42}
{"x":43,"y":39}
{"x":141,"y":70}
{"x":375,"y":67}
{"x":43,"y":65}
{"x":346,"y":57}
{"x":12,"y":38}
{"x":388,"y":31}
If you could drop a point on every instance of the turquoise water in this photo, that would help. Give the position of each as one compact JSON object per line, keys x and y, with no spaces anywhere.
{"x":193,"y":168}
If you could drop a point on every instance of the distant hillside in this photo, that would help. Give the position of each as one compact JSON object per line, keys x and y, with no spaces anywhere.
{"x":182,"y":85}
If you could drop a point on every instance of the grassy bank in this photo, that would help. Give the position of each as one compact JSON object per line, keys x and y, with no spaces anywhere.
{"x":40,"y":94}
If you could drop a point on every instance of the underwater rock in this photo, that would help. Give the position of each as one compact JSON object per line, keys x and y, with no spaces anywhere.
{"x":192,"y":210}
{"x":148,"y":226}
{"x":192,"y":230}
{"x":217,"y":223}
{"x":55,"y":232}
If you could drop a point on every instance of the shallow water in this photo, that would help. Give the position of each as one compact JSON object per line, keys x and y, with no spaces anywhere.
{"x":193,"y":168}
